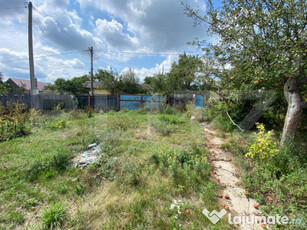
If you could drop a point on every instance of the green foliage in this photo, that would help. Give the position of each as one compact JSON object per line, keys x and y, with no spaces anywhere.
{"x":261,"y":32}
{"x":131,"y":173}
{"x":61,"y":160}
{"x":75,"y":85}
{"x":148,"y":80}
{"x":124,"y":180}
{"x":108,"y":80}
{"x":263,"y":42}
{"x":3,"y":87}
{"x":181,"y":77}
{"x":54,"y":216}
{"x":280,"y":177}
{"x":170,"y":119}
{"x":13,"y":120}
{"x":265,"y":145}
{"x":56,"y":124}
{"x":185,"y":166}
{"x":166,"y":121}
{"x":129,"y":83}
{"x":163,"y":127}
{"x":283,"y":177}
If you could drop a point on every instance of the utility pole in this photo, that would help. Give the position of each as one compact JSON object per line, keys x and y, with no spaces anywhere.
{"x":30,"y":45}
{"x":92,"y":76}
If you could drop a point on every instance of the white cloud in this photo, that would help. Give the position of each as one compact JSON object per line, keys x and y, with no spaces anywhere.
{"x":13,"y":10}
{"x":113,"y":34}
{"x":60,"y":68}
{"x":135,"y":26}
{"x":164,"y":66}
{"x":160,"y":25}
{"x":63,"y":27}
{"x":17,"y":66}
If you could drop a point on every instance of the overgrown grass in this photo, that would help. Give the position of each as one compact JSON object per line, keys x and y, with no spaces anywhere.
{"x":141,"y":170}
{"x":277,"y":182}
{"x":54,"y":216}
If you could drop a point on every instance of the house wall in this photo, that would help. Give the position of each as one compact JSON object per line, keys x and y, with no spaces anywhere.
{"x":102,"y":91}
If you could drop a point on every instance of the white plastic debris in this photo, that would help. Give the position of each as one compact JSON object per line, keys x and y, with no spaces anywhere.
{"x":87,"y":157}
{"x":92,"y":145}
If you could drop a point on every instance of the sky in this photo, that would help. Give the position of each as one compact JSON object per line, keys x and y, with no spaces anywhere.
{"x":144,"y":35}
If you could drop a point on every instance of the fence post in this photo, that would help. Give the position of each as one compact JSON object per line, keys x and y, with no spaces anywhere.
{"x":118,"y":102}
{"x":141,"y":100}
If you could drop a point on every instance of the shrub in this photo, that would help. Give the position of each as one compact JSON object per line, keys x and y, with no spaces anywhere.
{"x":54,"y":216}
{"x":56,"y":124}
{"x":60,"y":161}
{"x":89,"y":110}
{"x":265,"y":146}
{"x":170,"y":110}
{"x":13,"y":120}
{"x":162,"y":127}
{"x":186,"y":166}
{"x":171,"y":119}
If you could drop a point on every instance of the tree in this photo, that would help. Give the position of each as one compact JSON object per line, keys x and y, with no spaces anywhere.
{"x":183,"y":75}
{"x":108,"y":80}
{"x":74,"y":86}
{"x":265,"y":43}
{"x":2,"y":85}
{"x":148,"y":80}
{"x":160,"y":84}
{"x":129,"y":83}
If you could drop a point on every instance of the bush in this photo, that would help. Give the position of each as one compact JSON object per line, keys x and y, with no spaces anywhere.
{"x":56,"y":124}
{"x":170,"y":119}
{"x":265,"y":145}
{"x":170,"y":111}
{"x":162,"y":127}
{"x":280,"y":176}
{"x":13,"y":120}
{"x":54,"y":216}
{"x":131,"y":173}
{"x":60,"y":161}
{"x":187,"y":167}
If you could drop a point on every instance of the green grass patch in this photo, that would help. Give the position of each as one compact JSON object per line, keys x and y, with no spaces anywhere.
{"x":148,"y":159}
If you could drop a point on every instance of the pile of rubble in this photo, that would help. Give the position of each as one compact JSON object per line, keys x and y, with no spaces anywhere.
{"x":87,"y":157}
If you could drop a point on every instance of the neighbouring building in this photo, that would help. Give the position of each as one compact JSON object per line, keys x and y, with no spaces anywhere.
{"x":98,"y":88}
{"x":23,"y":86}
{"x":149,"y":88}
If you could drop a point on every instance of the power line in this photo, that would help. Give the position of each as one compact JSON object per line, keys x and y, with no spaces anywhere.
{"x":40,"y":13}
{"x":141,"y":53}
{"x":42,"y":56}
{"x":9,"y":8}
{"x":44,"y":15}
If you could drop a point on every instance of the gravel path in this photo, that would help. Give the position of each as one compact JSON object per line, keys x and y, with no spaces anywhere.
{"x":229,"y":176}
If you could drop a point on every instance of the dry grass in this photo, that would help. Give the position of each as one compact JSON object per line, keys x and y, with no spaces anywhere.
{"x":127,"y":189}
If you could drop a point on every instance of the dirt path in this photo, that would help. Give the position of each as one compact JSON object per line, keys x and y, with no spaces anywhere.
{"x":229,"y":177}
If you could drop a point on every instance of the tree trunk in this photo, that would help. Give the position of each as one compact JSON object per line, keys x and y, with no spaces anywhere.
{"x":295,"y":110}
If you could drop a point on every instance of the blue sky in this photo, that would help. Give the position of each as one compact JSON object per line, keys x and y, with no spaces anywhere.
{"x":122,"y":32}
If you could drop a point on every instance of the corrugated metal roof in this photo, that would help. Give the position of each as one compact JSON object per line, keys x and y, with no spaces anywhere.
{"x":27,"y":84}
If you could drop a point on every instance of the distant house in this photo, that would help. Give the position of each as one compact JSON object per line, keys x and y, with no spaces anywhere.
{"x":149,"y":88}
{"x":98,"y":88}
{"x":22,"y":85}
